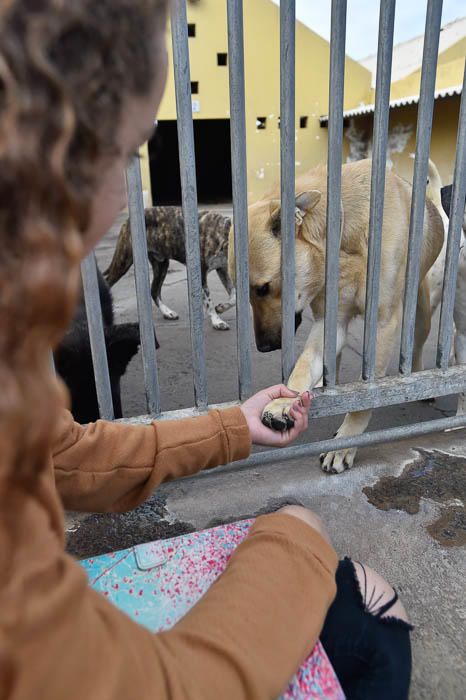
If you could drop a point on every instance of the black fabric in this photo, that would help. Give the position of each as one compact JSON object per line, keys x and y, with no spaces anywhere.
{"x":371,"y":654}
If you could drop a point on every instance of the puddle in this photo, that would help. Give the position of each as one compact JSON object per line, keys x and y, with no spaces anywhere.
{"x":438,"y":476}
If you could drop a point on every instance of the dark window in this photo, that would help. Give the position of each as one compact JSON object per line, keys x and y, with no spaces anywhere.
{"x":194,"y":87}
{"x":303,"y":122}
{"x":213,"y":162}
{"x":221,"y":59}
{"x":191,"y":30}
{"x":278,"y":122}
{"x":261,"y":122}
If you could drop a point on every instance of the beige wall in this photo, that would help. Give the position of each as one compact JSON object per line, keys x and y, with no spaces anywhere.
{"x":443,"y":142}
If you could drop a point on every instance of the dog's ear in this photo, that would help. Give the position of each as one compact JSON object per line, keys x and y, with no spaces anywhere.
{"x":304,"y":202}
{"x":445,"y":194}
{"x":122,"y":343}
{"x":275,"y":218}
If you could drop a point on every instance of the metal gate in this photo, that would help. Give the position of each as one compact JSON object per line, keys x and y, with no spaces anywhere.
{"x":332,"y":399}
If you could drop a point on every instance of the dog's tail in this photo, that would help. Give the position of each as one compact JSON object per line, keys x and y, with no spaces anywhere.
{"x":434,"y":185}
{"x":122,"y":257}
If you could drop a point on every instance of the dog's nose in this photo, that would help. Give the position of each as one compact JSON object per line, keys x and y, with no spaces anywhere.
{"x":269,"y":345}
{"x":264,"y":347}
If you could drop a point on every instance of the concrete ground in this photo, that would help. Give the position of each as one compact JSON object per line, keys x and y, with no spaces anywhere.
{"x":400,"y":509}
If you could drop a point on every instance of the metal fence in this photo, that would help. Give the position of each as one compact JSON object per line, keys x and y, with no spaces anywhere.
{"x":332,"y":399}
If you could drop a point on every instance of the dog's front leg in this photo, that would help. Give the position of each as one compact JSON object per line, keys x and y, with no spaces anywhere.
{"x":227,"y":305}
{"x":356,"y":423}
{"x":230,"y":290}
{"x":218,"y":323}
{"x":306,"y":374}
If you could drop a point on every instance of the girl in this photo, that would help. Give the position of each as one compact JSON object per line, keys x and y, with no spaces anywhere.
{"x":80,"y":84}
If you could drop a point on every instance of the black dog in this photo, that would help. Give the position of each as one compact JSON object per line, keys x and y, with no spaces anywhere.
{"x":73,"y":359}
{"x":445,"y":194}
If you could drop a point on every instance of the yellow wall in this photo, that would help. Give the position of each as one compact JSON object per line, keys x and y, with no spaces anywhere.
{"x":262,"y":77}
{"x":262,"y":67}
{"x":455,"y":51}
{"x":210,"y":19}
{"x":450,"y":70}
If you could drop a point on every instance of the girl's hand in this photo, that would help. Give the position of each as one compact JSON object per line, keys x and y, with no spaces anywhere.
{"x":253,"y":408}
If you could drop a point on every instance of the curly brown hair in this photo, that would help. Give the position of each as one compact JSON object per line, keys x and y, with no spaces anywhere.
{"x":66,"y":71}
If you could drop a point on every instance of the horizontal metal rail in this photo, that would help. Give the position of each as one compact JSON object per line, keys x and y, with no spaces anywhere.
{"x":373,"y":437}
{"x":359,"y":396}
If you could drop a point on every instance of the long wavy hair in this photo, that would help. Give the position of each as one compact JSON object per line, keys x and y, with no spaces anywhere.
{"x":67,"y":68}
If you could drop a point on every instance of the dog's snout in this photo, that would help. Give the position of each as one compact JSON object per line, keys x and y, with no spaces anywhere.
{"x":268,"y":345}
{"x":298,"y":317}
{"x":264,"y":347}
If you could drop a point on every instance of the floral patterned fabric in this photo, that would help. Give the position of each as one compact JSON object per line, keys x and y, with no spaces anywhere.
{"x":157,"y":583}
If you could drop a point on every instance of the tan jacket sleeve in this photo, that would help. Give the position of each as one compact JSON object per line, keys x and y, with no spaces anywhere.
{"x":242,"y":641}
{"x":108,"y":466}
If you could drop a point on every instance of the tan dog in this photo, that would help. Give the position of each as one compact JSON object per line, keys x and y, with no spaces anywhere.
{"x":265,"y":280}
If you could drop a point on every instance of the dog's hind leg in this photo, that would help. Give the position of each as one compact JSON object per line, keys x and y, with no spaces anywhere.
{"x":217,"y":323}
{"x":423,"y":323}
{"x":122,"y":257}
{"x":160,"y":269}
{"x":356,"y":423}
{"x":230,"y":290}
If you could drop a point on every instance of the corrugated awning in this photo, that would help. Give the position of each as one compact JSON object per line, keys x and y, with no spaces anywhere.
{"x":401,"y":102}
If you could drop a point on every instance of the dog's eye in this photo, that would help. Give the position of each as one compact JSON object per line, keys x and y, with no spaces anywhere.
{"x":263,"y":290}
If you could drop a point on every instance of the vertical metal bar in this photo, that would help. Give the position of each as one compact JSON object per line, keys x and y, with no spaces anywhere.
{"x":335,"y":144}
{"x":179,"y":28}
{"x":97,"y":336}
{"x":240,"y":193}
{"x":454,"y":239}
{"x":141,"y":275}
{"x":287,"y":180}
{"x":379,"y":163}
{"x":416,"y":223}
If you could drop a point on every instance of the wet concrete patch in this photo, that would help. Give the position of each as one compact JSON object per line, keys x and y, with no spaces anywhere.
{"x":271,"y":506}
{"x":437,"y":476}
{"x":103,"y":533}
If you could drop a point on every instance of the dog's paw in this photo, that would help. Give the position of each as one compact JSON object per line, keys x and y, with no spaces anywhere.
{"x":224,"y":307}
{"x":337,"y":462}
{"x":221,"y":308}
{"x":220,"y":325}
{"x":169,"y":314}
{"x":276,"y":415}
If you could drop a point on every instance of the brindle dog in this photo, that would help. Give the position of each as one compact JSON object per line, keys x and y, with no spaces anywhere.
{"x":165,"y":242}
